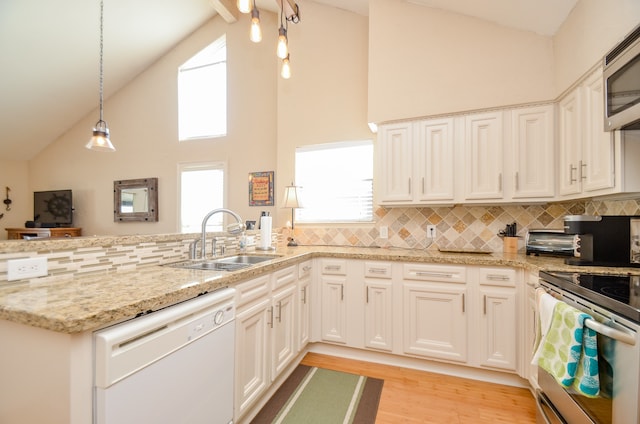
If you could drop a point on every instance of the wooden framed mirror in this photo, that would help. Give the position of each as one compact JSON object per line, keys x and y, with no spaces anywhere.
{"x":135,"y":200}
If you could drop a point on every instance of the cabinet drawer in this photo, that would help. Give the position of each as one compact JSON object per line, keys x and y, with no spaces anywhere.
{"x":334,"y":266}
{"x":251,"y":290}
{"x":304,"y":269}
{"x":444,"y":273}
{"x":284,"y":277}
{"x":503,"y":277}
{"x":377,"y":269}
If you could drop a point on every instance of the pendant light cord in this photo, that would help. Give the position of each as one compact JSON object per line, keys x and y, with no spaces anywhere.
{"x":101,"y":53}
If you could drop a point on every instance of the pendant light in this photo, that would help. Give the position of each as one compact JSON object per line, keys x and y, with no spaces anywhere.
{"x":256,"y":33}
{"x":285,"y":71}
{"x":244,"y":6}
{"x":100,"y":140}
{"x":282,"y":50}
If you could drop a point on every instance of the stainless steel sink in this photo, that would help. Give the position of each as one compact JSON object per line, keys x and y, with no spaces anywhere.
{"x":229,"y":263}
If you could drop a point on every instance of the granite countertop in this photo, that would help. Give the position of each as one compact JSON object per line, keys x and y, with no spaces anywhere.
{"x":74,"y":304}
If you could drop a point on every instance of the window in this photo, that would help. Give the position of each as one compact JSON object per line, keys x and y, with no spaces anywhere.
{"x":336,"y":182}
{"x":201,"y":190}
{"x":202,"y":93}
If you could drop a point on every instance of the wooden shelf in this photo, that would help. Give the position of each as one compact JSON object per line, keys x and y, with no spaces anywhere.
{"x":21,"y":233}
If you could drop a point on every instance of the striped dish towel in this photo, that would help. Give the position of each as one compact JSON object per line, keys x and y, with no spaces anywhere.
{"x":569,"y":351}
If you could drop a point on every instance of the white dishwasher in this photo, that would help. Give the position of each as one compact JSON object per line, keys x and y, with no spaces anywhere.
{"x":171,"y":366}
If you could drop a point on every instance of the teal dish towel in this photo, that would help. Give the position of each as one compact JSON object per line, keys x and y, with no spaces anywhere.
{"x":570,"y":351}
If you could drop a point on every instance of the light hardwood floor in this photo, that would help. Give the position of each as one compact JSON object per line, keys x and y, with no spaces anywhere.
{"x":410,"y":396}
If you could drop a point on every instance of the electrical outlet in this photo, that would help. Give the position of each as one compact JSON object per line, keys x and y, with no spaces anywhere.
{"x":18,"y":269}
{"x":431,"y":231}
{"x":384,"y":232}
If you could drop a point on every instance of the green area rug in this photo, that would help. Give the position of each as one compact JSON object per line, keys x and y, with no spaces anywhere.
{"x":317,"y":395}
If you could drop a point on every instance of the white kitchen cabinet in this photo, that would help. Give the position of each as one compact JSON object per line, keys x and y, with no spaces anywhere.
{"x":305,"y":274}
{"x":434,"y":312}
{"x":586,"y":151}
{"x":333,"y":312}
{"x":433,"y":162}
{"x":252,"y":355}
{"x":266,"y":339}
{"x":531,"y":329}
{"x":395,"y":150}
{"x":417,"y":162}
{"x":532,"y":153}
{"x":378,"y":310}
{"x":284,"y":346}
{"x":483,"y":156}
{"x":497,"y":297}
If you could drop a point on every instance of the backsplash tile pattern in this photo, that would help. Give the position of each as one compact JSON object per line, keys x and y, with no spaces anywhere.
{"x":460,"y":227}
{"x":621,"y":207}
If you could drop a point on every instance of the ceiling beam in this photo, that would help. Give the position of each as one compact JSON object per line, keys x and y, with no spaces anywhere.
{"x":227,"y":9}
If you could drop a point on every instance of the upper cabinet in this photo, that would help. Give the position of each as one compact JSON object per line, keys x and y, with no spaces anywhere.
{"x":586,"y":151}
{"x":532,"y":153}
{"x":592,"y":161}
{"x":498,"y":156}
{"x":483,"y":156}
{"x":416,"y":162}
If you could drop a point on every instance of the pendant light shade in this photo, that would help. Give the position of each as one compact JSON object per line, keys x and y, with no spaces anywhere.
{"x":100,"y":140}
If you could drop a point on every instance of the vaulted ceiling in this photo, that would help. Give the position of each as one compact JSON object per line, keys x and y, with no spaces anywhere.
{"x":49,"y":61}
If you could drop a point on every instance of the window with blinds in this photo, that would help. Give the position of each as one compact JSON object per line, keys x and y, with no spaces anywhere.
{"x":336,"y":182}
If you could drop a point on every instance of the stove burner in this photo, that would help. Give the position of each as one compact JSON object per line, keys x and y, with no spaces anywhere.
{"x":619,"y":293}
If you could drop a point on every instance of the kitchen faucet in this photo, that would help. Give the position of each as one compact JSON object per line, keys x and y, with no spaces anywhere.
{"x":231,"y":229}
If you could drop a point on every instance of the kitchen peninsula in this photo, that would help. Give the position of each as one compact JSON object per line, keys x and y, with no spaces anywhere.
{"x":47,"y":323}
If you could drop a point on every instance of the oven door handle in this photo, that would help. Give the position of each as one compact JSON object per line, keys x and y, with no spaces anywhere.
{"x":540,"y":399}
{"x":621,"y":336}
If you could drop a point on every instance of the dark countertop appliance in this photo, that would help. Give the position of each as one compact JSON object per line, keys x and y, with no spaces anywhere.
{"x":603,"y":240}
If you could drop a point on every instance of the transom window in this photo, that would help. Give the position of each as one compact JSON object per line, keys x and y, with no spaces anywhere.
{"x":336,"y":181}
{"x":202,"y":93}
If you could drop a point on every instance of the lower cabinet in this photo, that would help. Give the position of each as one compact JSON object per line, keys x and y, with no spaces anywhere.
{"x":435,"y":312}
{"x":333,"y":309}
{"x":497,"y":318}
{"x":378,"y":306}
{"x":266,"y":337}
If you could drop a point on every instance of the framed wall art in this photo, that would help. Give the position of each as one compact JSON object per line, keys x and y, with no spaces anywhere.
{"x":261,"y":188}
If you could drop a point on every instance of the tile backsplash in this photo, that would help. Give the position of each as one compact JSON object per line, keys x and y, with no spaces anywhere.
{"x":460,"y":227}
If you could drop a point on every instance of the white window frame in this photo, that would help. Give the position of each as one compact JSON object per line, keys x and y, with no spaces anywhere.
{"x":327,"y":167}
{"x":216,"y":223}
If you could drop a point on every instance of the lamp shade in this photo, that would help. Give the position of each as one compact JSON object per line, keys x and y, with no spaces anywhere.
{"x":291,"y":197}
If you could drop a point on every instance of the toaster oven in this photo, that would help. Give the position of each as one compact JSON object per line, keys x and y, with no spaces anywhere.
{"x":552,"y":243}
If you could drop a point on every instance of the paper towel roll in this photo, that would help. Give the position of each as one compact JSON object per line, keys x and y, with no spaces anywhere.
{"x":265,"y":232}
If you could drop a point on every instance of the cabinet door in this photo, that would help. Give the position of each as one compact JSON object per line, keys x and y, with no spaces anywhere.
{"x":434,"y":161}
{"x":597,"y":168}
{"x":304,"y":304}
{"x":284,"y":340}
{"x":252,"y":355}
{"x":333,"y":309}
{"x":378,"y":322}
{"x":532,"y":132}
{"x":435,"y":321}
{"x":531,"y":322}
{"x":569,"y":142}
{"x":483,"y":156}
{"x":395,"y":159}
{"x":498,"y":328}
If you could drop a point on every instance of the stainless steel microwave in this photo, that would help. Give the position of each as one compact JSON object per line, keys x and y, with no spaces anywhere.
{"x":622,"y":84}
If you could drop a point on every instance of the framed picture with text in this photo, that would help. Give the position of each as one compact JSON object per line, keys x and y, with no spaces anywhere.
{"x":261,"y":188}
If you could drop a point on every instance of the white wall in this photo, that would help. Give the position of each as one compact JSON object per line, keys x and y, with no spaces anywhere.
{"x":15,"y":175}
{"x":425,"y":61}
{"x":590,"y":31}
{"x":142,"y":118}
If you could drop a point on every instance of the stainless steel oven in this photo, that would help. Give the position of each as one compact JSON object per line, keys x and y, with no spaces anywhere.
{"x":614,"y":303}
